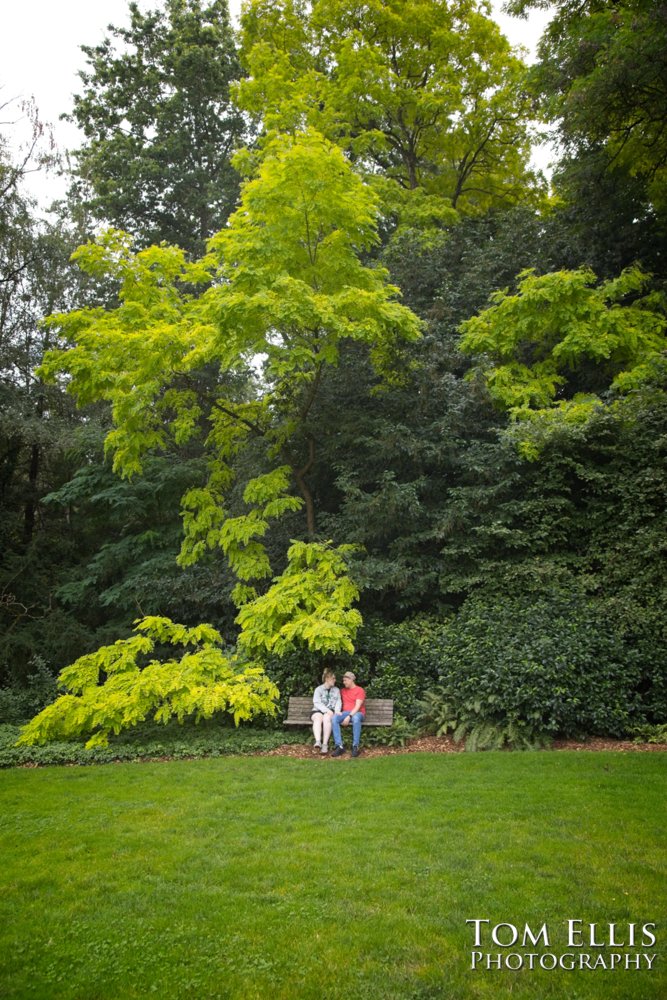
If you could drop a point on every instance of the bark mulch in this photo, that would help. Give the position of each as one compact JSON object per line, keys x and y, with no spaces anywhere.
{"x":445,"y":744}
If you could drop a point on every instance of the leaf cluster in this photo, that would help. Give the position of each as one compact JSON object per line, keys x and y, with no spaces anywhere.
{"x":205,"y":679}
{"x":539,"y":341}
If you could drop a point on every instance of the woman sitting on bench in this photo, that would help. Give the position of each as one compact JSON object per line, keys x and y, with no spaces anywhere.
{"x":326,"y":701}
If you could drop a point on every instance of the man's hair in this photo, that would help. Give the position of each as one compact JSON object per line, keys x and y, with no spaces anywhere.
{"x":328,"y":672}
{"x":348,"y":673}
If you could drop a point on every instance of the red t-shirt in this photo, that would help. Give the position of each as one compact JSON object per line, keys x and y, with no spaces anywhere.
{"x":350,"y":695}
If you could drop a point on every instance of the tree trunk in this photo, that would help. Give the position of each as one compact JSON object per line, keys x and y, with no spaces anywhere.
{"x":31,"y":501}
{"x":304,"y":489}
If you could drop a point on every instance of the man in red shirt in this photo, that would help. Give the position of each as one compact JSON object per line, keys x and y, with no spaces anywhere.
{"x":354,"y":714}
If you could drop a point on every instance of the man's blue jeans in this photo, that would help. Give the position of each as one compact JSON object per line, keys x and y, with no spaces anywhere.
{"x":357,"y":722}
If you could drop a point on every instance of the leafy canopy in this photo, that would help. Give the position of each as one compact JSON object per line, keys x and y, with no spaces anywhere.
{"x":559,"y":345}
{"x":159,"y":123}
{"x":601,"y":78}
{"x":285,"y":285}
{"x":310,"y":603}
{"x":426,"y":96}
{"x":294,"y":286}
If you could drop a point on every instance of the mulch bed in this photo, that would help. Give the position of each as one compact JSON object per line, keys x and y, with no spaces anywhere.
{"x":445,"y":744}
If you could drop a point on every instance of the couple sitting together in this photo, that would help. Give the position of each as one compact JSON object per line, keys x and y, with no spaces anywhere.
{"x":333,"y":709}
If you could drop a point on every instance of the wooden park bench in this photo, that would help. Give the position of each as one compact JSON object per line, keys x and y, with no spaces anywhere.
{"x":379,"y":712}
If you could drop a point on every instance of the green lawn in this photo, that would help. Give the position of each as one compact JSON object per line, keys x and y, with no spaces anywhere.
{"x":278,"y":878}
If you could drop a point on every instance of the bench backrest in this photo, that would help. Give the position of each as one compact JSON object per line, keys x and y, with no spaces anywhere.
{"x":379,"y":711}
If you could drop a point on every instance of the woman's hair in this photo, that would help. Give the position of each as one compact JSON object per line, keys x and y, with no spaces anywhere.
{"x":328,"y":672}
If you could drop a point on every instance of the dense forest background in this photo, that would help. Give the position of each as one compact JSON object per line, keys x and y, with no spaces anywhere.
{"x":506,"y":512}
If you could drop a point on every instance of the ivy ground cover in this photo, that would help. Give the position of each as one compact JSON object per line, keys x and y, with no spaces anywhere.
{"x":271,"y":877}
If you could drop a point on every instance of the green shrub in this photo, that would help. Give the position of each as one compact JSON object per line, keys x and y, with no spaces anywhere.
{"x":644,"y":628}
{"x":440,"y":715}
{"x":19,"y":702}
{"x":519,"y":671}
{"x":649,"y":733}
{"x":147,"y":741}
{"x":113,"y":688}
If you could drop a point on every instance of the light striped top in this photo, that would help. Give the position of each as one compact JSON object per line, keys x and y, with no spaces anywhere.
{"x":326,"y":699}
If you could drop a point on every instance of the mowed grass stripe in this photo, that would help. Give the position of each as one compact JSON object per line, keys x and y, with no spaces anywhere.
{"x":272,"y":877}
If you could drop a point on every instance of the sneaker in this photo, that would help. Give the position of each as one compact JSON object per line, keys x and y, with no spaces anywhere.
{"x":324,"y":751}
{"x":338,"y":752}
{"x":355,"y":751}
{"x":317,"y":746}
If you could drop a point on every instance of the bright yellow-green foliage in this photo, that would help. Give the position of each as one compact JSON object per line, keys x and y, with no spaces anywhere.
{"x":294,"y":287}
{"x":557,"y":347}
{"x":128,"y":355}
{"x":204,"y":680}
{"x":292,"y":290}
{"x":206,"y":524}
{"x":310,"y":603}
{"x":283,"y":283}
{"x":425,"y":95}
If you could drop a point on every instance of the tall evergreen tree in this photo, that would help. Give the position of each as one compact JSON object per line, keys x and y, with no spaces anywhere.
{"x":159,"y":124}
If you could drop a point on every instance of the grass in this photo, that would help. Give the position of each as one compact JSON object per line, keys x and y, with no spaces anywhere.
{"x":280,"y":878}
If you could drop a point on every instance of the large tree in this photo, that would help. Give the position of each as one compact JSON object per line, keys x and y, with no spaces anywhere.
{"x":288,"y":288}
{"x":425,"y":475}
{"x":602,"y":78}
{"x":427,"y":97}
{"x":601,"y":82}
{"x":158,"y":131}
{"x":159,"y":124}
{"x":286,"y":285}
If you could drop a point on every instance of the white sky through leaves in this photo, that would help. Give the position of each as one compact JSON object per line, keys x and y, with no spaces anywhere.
{"x":40,"y":55}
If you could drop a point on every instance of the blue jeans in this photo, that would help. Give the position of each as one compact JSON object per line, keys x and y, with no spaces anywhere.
{"x":357,"y":722}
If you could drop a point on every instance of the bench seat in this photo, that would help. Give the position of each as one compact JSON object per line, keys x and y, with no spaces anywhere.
{"x":379,"y":712}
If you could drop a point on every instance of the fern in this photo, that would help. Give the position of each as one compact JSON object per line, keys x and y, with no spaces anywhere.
{"x":440,"y":716}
